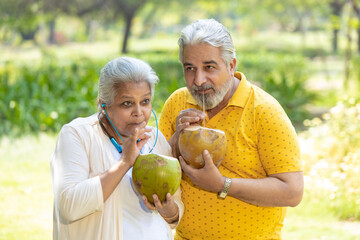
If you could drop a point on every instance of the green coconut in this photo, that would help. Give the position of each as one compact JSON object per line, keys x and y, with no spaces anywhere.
{"x":156,"y":174}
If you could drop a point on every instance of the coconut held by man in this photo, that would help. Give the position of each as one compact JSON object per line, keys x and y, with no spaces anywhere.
{"x":194,"y":140}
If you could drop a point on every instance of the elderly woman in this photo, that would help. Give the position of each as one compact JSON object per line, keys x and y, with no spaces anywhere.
{"x":92,"y":163}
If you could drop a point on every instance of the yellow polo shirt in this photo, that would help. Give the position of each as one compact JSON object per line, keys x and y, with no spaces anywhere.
{"x":260,"y":141}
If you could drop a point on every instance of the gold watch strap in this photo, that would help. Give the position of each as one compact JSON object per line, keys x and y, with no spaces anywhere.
{"x":225,"y":189}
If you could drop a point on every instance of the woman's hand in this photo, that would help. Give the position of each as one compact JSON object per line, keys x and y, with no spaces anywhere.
{"x":167,"y":209}
{"x":131,"y":150}
{"x":185,"y":118}
{"x":133,"y":144}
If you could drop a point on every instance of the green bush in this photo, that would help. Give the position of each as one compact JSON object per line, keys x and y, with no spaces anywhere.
{"x":331,"y":156}
{"x":284,"y":77}
{"x":169,"y":71}
{"x":313,"y":52}
{"x":43,"y":97}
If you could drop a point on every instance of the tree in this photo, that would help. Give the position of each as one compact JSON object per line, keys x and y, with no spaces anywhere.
{"x":79,"y":8}
{"x":336,"y":7}
{"x":356,"y":6}
{"x":21,"y":16}
{"x":128,"y":9}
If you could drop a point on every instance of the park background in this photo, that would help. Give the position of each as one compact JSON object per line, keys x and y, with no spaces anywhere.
{"x":306,"y":53}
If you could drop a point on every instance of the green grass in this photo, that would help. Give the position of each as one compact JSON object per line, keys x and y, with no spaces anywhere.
{"x":26,"y":198}
{"x":311,"y":221}
{"x":25,"y":192}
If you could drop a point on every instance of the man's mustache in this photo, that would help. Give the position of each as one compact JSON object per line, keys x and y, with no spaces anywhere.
{"x":203,"y":87}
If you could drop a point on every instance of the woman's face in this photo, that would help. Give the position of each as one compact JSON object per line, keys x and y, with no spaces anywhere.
{"x":131,"y":106}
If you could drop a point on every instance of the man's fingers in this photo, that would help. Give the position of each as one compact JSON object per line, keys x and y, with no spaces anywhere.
{"x":193,"y":112}
{"x":207,"y":158}
{"x":190,"y":115}
{"x":184,"y":166}
{"x":187,"y":119}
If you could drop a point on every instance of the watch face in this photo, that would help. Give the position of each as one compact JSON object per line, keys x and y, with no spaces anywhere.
{"x":222,"y":195}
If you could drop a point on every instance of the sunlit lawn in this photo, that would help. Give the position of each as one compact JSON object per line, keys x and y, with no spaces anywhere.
{"x":25,"y":188}
{"x":312,"y":221}
{"x":26,"y":198}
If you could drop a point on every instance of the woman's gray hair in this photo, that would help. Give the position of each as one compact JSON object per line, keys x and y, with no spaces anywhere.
{"x":120,"y":70}
{"x":211,"y":32}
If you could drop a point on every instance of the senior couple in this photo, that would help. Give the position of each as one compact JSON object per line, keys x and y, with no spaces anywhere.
{"x":244,"y":198}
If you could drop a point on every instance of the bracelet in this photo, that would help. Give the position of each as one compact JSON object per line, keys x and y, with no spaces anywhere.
{"x":173,"y":218}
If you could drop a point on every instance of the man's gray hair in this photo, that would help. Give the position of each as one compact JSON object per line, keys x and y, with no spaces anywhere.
{"x":120,"y":70}
{"x":211,"y":32}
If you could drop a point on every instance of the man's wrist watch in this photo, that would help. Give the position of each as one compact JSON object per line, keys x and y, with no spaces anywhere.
{"x":225,"y":189}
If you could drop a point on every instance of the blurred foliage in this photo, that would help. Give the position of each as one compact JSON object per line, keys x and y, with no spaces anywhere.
{"x":44,"y":97}
{"x":355,"y":72}
{"x":331,"y":155}
{"x":313,"y":52}
{"x":284,"y":77}
{"x":40,"y":20}
{"x":169,"y":71}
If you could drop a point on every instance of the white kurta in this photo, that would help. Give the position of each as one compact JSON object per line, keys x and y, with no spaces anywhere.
{"x":82,"y":153}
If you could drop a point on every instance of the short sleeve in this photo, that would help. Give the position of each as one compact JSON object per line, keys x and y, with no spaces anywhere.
{"x":166,"y":119}
{"x":278,"y":144}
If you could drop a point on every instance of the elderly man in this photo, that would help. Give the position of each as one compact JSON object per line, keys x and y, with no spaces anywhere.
{"x":261,"y":174}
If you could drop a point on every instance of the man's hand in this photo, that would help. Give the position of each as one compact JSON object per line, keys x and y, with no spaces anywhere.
{"x":208,"y":178}
{"x":185,"y":118}
{"x":189,"y":116}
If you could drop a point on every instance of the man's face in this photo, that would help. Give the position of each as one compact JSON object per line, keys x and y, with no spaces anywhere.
{"x":206,"y":74}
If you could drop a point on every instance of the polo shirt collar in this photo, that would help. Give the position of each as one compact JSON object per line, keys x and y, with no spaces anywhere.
{"x":242,"y":92}
{"x":240,"y":96}
{"x":190,"y":99}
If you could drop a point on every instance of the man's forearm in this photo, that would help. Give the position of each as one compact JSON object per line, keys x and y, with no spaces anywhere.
{"x":278,"y":190}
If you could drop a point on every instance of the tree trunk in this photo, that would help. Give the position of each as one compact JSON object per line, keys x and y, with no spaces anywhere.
{"x":301,"y":26}
{"x":347,"y":59}
{"x":335,"y":40}
{"x":90,"y":30}
{"x":128,"y":10}
{"x":128,"y":20}
{"x":6,"y":33}
{"x":336,"y":9}
{"x":356,"y":8}
{"x":51,"y":39}
{"x":358,"y":42}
